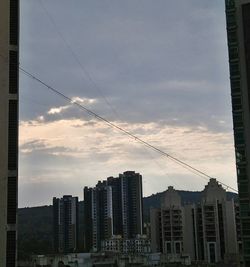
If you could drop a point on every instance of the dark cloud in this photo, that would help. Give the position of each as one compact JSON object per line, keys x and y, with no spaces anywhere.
{"x":127,"y":49}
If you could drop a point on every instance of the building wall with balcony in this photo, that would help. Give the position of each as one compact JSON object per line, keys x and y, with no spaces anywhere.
{"x":208,"y":231}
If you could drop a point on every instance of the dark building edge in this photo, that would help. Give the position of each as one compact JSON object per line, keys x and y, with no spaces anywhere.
{"x":237,"y":14}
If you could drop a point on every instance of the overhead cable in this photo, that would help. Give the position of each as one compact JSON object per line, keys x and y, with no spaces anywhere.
{"x":77,"y":60}
{"x":115,"y":126}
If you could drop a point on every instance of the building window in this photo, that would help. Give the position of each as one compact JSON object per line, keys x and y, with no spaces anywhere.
{"x":239,"y":137}
{"x":234,"y":69}
{"x":246,"y":245}
{"x":232,"y":37}
{"x":13,"y":133}
{"x":236,"y":103}
{"x":168,"y":248}
{"x":13,"y":72}
{"x":233,"y":52}
{"x":244,"y":209}
{"x":231,"y":19}
{"x":14,"y":12}
{"x":240,"y":155}
{"x":11,"y":249}
{"x":230,"y":4}
{"x":235,"y":86}
{"x":177,"y":247}
{"x":12,"y":200}
{"x":212,"y":253}
{"x":241,"y":171}
{"x":243,"y":189}
{"x":238,"y":119}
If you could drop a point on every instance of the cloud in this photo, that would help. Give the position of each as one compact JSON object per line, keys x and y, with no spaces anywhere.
{"x":98,"y":151}
{"x":57,"y":110}
{"x":81,"y":100}
{"x":45,"y":148}
{"x":77,"y":99}
{"x":30,"y":146}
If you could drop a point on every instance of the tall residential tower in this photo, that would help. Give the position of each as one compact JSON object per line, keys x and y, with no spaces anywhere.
{"x":131,"y":197}
{"x":238,"y":33}
{"x":113,"y":208}
{"x":66,"y":224}
{"x":98,"y":215}
{"x":9,"y":10}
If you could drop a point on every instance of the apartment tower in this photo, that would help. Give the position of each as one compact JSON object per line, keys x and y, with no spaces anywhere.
{"x":238,"y":34}
{"x":98,"y":215}
{"x":115,"y":184}
{"x":205,"y":231}
{"x":167,"y":224}
{"x":113,"y":208}
{"x":88,"y":224}
{"x":9,"y":29}
{"x":132,"y":208}
{"x":66,"y":224}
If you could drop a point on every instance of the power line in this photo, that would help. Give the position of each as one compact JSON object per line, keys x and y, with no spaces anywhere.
{"x":174,"y":159}
{"x":76,"y":58}
{"x":132,"y":136}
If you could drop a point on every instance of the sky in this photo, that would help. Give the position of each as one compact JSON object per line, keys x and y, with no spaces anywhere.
{"x":158,"y":69}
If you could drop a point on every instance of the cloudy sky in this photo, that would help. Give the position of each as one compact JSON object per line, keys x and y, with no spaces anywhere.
{"x":157,"y":68}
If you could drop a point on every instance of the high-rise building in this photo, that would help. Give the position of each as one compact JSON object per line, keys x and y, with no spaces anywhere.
{"x":65,"y":224}
{"x":88,"y":223}
{"x":113,"y":207}
{"x":132,"y":208}
{"x":115,"y":184}
{"x":207,"y":231}
{"x":98,"y":216}
{"x":238,"y":34}
{"x":9,"y":45}
{"x":103,"y":221}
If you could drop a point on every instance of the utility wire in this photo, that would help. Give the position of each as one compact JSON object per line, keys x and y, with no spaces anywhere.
{"x":76,"y":58}
{"x":132,"y":136}
{"x":84,"y":70}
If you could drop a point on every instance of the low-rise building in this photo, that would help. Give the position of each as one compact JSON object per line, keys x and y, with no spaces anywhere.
{"x":117,"y":244}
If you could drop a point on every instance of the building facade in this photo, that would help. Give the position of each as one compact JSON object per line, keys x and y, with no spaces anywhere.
{"x":88,"y":224}
{"x":216,"y":221}
{"x":115,"y":184}
{"x":207,"y":231}
{"x":238,"y":34}
{"x":102,"y":216}
{"x":98,"y":216}
{"x":9,"y":58}
{"x":167,"y":224}
{"x":139,"y":245}
{"x":65,"y":224}
{"x":113,"y":207}
{"x":131,"y":197}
